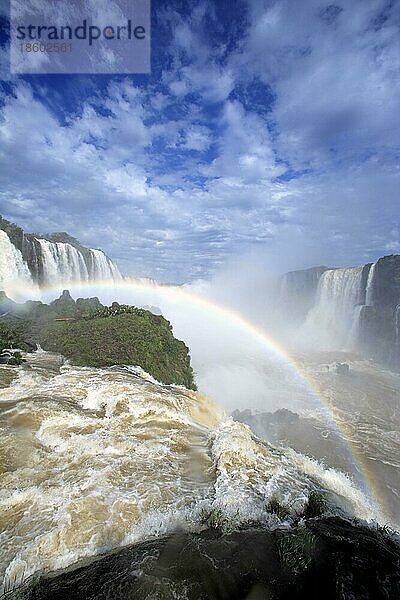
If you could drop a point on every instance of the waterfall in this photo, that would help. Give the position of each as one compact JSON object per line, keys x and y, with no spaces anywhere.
{"x":103,"y":267}
{"x":333,"y":322}
{"x":13,"y":268}
{"x":297,"y":292}
{"x":63,"y":263}
{"x":28,"y":259}
{"x":369,"y":298}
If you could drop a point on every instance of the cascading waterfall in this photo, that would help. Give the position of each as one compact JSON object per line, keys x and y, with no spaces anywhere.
{"x":63,"y":263}
{"x":13,"y":269}
{"x":28,"y":260}
{"x":369,"y":292}
{"x":297,"y":292}
{"x":103,"y":267}
{"x":334,"y":318}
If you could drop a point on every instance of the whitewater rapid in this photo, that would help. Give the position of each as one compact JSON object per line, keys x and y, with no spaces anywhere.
{"x":94,"y":459}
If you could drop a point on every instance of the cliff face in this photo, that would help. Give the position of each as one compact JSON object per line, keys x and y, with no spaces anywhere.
{"x":386,"y":283}
{"x":380,"y":321}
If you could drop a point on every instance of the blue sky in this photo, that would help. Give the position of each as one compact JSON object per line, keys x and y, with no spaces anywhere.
{"x":268,"y":128}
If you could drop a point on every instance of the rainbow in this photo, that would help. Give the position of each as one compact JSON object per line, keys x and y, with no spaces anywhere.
{"x":182,"y":295}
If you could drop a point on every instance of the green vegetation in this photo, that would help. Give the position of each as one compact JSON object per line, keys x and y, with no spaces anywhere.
{"x":64,"y":237}
{"x":385,"y":529}
{"x":316,"y":505}
{"x":89,"y":334}
{"x":275,"y":507}
{"x":14,"y":335}
{"x":138,"y":338}
{"x":16,"y":359}
{"x":296,"y":550}
{"x":111,"y":311}
{"x":212,"y":519}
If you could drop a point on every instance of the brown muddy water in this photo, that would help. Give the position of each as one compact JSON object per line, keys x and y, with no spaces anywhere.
{"x":96,"y":459}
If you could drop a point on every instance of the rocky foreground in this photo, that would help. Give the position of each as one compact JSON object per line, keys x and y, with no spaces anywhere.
{"x":326,"y":558}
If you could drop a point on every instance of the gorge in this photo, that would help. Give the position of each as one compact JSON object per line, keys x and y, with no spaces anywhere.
{"x":132,"y":455}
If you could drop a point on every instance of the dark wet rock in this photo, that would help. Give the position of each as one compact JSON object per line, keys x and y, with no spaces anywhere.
{"x":329,"y":558}
{"x":379,"y":328}
{"x":379,"y":325}
{"x":342,"y":369}
{"x":5,"y":357}
{"x":386,"y":284}
{"x":11,"y":357}
{"x":281,"y":416}
{"x":364,"y":281}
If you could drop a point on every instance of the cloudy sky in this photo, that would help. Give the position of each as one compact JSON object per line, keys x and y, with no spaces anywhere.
{"x":265,"y":127}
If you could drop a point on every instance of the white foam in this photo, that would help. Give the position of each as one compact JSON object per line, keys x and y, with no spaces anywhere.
{"x":102,"y":457}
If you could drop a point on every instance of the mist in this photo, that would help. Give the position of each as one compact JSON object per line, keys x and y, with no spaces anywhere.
{"x":266,"y":346}
{"x":235,"y":365}
{"x":245,"y":365}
